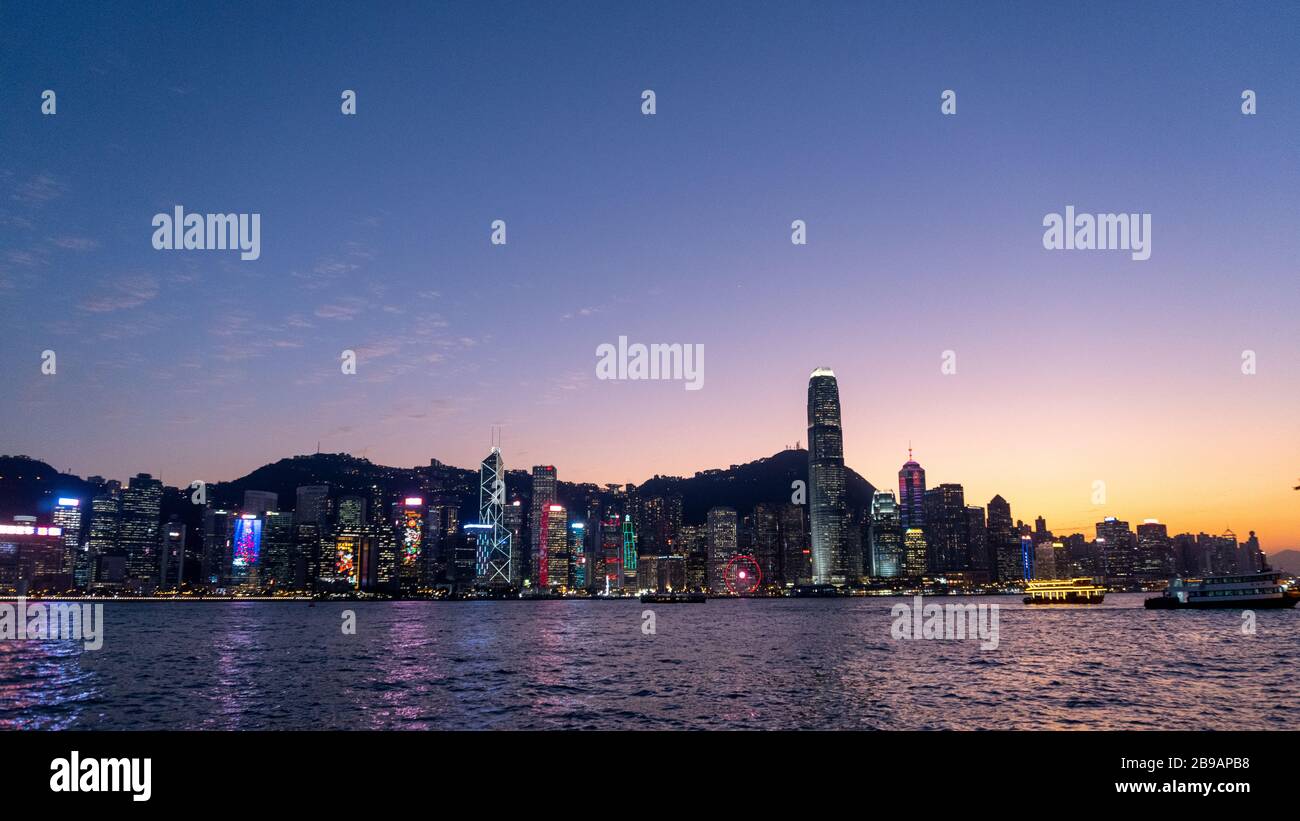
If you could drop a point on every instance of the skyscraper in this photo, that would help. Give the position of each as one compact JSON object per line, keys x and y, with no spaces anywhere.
{"x":767,"y":541}
{"x":945,"y":528}
{"x":554,"y":558}
{"x":512,"y":517}
{"x":657,"y":520}
{"x":578,"y":575}
{"x":1003,"y":544}
{"x":886,"y":537}
{"x":828,"y":506}
{"x":412,"y":536}
{"x":105,"y":522}
{"x":350,"y":517}
{"x":544,"y":488}
{"x":278,"y":550}
{"x":258,"y":502}
{"x":914,"y":552}
{"x":1155,"y":554}
{"x":1252,"y":555}
{"x":492,"y":559}
{"x":218,"y":529}
{"x":631,"y":553}
{"x":722,"y":545}
{"x":977,"y":547}
{"x":610,"y":562}
{"x":171,"y":564}
{"x":693,"y":543}
{"x":313,"y":506}
{"x":311,"y":531}
{"x":138,"y":537}
{"x":67,"y":515}
{"x":796,"y":556}
{"x":911,"y":494}
{"x":1116,"y":545}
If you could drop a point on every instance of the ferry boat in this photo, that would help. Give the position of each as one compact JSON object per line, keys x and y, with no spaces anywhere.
{"x":1246,"y":591}
{"x":1064,"y":591}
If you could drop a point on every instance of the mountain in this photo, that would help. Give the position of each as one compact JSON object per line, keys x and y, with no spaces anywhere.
{"x":344,"y":474}
{"x":743,"y":486}
{"x":30,"y":486}
{"x":1288,"y":561}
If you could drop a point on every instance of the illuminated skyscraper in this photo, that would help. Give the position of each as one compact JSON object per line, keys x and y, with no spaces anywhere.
{"x":610,"y":562}
{"x":911,"y":494}
{"x":886,"y":536}
{"x":105,"y":522}
{"x":554,"y":558}
{"x":311,"y":531}
{"x":513,"y":519}
{"x":67,"y":515}
{"x":578,"y":555}
{"x":722,"y":545}
{"x":278,"y":552}
{"x":1118,"y":550}
{"x":827,"y":480}
{"x":631,"y":559}
{"x":246,"y":552}
{"x":914,"y":552}
{"x":138,"y":537}
{"x":410,"y":542}
{"x":1045,"y":560}
{"x":544,"y":490}
{"x":350,"y":517}
{"x":218,"y":529}
{"x":492,"y":558}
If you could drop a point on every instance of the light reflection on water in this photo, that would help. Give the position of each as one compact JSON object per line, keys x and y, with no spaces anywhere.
{"x":774,"y":664}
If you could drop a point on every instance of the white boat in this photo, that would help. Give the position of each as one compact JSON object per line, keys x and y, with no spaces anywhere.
{"x":1244,"y":591}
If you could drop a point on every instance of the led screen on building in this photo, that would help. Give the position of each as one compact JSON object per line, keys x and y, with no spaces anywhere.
{"x":412,"y":535}
{"x":247,"y":542}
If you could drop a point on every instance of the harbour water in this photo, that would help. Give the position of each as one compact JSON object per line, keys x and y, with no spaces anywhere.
{"x":734,"y":664}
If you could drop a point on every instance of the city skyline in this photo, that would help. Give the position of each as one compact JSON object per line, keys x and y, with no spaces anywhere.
{"x":550,"y":474}
{"x":924,"y":237}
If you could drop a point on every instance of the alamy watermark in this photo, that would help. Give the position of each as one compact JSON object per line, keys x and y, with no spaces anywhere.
{"x":77,"y":774}
{"x":54,"y":621}
{"x":952,"y":622}
{"x":208,"y":232}
{"x":655,"y":361}
{"x":1098,"y":232}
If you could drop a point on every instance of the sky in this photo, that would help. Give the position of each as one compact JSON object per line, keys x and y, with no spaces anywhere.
{"x":924,"y":236}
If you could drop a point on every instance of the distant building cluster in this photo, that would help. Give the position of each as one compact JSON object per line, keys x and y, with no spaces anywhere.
{"x":932,"y":533}
{"x":440,"y":531}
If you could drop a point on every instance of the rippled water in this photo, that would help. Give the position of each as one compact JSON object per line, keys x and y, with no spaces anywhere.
{"x":788,"y":664}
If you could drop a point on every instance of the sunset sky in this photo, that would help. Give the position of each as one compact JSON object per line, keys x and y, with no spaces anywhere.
{"x":924,"y":235}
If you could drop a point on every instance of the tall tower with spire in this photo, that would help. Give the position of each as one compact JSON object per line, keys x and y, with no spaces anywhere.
{"x":493,"y":554}
{"x":827,"y":481}
{"x":911,"y":493}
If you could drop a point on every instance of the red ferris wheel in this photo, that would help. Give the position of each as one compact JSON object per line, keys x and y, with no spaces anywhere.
{"x":742,"y":576}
